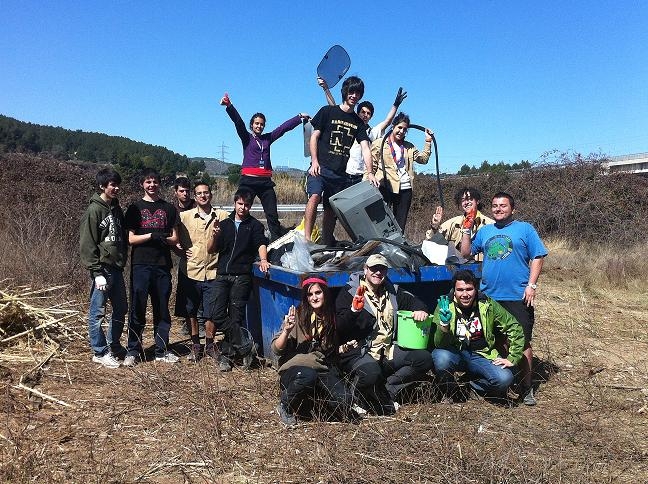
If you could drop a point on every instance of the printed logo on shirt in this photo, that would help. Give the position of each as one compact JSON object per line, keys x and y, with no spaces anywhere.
{"x":342,"y":137}
{"x":498,"y":247}
{"x":155,"y":220}
{"x":469,"y":328}
{"x":114,"y":228}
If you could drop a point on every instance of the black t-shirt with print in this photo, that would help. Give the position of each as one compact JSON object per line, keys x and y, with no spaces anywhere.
{"x":338,"y":131}
{"x":144,"y":217}
{"x":470,"y":327}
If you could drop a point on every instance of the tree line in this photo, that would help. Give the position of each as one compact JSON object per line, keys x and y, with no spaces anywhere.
{"x":127,"y":155}
{"x":487,"y":167}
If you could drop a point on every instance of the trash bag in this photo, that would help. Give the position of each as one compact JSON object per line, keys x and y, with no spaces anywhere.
{"x":299,"y":258}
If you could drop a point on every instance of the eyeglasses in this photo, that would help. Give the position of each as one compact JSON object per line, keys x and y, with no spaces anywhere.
{"x":377,"y":268}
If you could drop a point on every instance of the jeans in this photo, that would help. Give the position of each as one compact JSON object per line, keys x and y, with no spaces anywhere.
{"x":115,"y":292}
{"x":301,"y":386}
{"x":488,"y":379}
{"x":154,"y":281}
{"x":231,"y":293}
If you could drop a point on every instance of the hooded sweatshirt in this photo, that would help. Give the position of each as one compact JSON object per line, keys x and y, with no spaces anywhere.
{"x":102,"y":236}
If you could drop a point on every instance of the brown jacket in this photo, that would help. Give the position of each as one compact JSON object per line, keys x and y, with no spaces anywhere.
{"x":412,"y":155}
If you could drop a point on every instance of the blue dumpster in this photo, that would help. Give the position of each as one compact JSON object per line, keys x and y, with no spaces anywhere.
{"x":273,"y":294}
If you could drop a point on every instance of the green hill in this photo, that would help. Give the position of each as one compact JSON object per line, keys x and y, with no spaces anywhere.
{"x":127,"y":155}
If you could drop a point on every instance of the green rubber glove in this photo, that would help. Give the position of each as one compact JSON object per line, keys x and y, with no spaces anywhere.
{"x":444,"y":310}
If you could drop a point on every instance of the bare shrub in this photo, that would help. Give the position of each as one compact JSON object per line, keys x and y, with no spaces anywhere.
{"x":573,"y":200}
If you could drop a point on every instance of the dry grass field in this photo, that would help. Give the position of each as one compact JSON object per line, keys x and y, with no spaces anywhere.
{"x":189,"y":423}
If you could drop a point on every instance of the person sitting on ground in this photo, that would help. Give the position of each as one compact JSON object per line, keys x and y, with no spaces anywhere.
{"x":393,"y":165}
{"x":237,"y":240}
{"x":256,"y":168}
{"x":367,"y":311}
{"x":468,"y":199}
{"x":307,"y":349}
{"x":468,"y":323}
{"x":198,"y":267}
{"x":355,"y":165}
{"x":103,"y":247}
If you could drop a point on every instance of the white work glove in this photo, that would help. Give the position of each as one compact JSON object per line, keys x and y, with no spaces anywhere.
{"x":101,"y":283}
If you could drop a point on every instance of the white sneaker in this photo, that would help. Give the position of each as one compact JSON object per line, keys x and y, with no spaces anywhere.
{"x":130,"y":361}
{"x":107,"y":360}
{"x":359,"y":410}
{"x":168,"y":358}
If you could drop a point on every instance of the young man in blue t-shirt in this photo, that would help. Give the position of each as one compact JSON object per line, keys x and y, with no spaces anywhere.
{"x":513,"y":258}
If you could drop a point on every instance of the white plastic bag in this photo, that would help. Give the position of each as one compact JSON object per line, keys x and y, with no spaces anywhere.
{"x":299,"y":258}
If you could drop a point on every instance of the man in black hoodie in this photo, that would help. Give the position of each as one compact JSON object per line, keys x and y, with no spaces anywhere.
{"x":102,"y":241}
{"x":238,"y":240}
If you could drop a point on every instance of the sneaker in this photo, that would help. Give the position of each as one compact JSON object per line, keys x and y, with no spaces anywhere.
{"x":130,"y":361}
{"x":529,"y":398}
{"x":196,"y":353}
{"x":107,"y":360}
{"x":212,"y":351}
{"x":472,"y":394}
{"x":359,"y":410}
{"x":287,"y":418}
{"x":118,"y":352}
{"x":167,"y":358}
{"x":224,"y":364}
{"x":250,"y":358}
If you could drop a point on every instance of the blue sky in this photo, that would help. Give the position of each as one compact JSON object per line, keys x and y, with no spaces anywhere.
{"x":497,"y":81}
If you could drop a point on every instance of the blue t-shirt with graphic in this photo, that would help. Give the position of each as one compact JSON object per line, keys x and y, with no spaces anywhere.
{"x":507,"y":252}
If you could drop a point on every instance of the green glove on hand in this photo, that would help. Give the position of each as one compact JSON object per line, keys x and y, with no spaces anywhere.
{"x":444,"y":310}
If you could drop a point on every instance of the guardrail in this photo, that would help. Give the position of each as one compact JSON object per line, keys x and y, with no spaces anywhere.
{"x":280,"y":208}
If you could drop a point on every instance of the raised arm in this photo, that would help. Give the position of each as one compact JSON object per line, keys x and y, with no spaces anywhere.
{"x":234,"y":115}
{"x":329,"y":97}
{"x":400,"y":97}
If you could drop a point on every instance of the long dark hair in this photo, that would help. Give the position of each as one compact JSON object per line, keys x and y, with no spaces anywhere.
{"x":305,"y":312}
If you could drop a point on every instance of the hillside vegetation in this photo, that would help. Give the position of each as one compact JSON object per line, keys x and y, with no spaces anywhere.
{"x":127,"y":155}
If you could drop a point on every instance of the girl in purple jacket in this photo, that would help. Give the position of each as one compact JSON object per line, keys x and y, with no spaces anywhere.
{"x":256,"y":169}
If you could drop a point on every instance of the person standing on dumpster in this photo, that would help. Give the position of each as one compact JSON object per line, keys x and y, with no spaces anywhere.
{"x":335,"y":128}
{"x":366,"y":314}
{"x":256,"y":168}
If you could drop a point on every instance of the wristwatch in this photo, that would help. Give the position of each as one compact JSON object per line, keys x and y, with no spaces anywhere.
{"x":533,"y":286}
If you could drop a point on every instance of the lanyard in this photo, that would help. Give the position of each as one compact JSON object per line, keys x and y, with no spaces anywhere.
{"x":260,"y":145}
{"x":400,"y":162}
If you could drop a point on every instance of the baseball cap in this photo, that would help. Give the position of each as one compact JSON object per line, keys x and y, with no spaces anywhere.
{"x":377,"y":260}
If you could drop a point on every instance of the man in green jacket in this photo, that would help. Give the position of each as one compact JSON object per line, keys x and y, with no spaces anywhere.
{"x":468,"y":323}
{"x":103,"y":247}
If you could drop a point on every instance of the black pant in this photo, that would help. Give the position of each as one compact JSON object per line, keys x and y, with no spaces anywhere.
{"x":263,"y":187}
{"x":399,"y":203}
{"x":404,"y":368}
{"x":302,"y":386}
{"x":381,"y":382}
{"x":231,"y":293}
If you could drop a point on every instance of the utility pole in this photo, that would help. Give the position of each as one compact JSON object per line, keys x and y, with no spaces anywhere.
{"x":223,"y":151}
